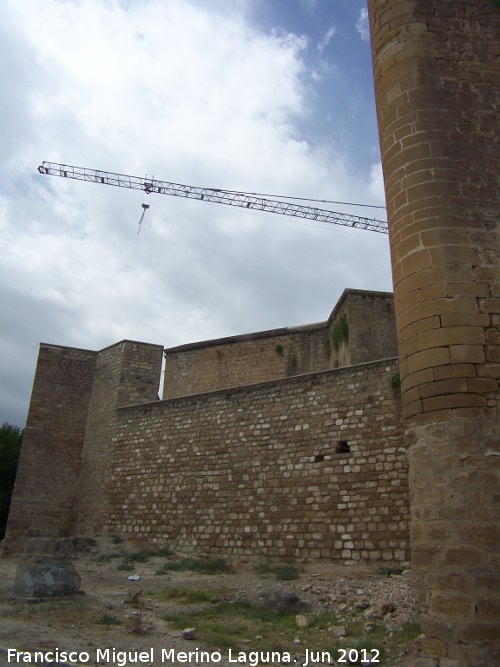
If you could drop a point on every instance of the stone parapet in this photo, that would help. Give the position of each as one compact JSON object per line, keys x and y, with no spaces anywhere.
{"x":361,"y":328}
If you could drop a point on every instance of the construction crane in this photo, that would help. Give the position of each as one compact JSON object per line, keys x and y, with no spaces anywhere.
{"x":228,"y":197}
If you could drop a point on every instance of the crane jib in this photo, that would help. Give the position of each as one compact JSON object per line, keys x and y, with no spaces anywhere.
{"x":230,"y":198}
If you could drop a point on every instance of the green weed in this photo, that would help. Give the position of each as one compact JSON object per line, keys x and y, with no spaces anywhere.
{"x":237,"y":625}
{"x":185,"y":595}
{"x":106,"y":558}
{"x":89,"y":542}
{"x":108,"y":619}
{"x":340,"y":332}
{"x":230,"y":625}
{"x":388,"y":571}
{"x":126,"y":567}
{"x":286,"y":573}
{"x":138,"y":557}
{"x":163,"y":552}
{"x":408,"y":632}
{"x":201,"y":565}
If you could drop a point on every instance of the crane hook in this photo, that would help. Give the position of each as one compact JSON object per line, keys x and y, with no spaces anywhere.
{"x":145,"y":207}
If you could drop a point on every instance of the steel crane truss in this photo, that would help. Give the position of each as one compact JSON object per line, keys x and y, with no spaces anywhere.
{"x":239,"y":199}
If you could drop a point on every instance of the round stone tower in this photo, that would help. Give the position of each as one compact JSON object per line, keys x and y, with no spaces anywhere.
{"x":437,"y":82}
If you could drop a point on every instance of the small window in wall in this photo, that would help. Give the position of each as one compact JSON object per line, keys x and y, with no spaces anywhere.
{"x":342,"y":447}
{"x":319,"y":458}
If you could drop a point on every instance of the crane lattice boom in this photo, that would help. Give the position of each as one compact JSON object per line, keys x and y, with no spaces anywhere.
{"x":241,"y":199}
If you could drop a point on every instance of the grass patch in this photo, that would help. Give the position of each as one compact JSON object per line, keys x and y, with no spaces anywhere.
{"x":163,"y":552}
{"x":264,"y":566}
{"x":201,"y":565}
{"x":237,"y":625}
{"x":227,"y":625}
{"x":146,"y":554}
{"x":129,"y":559}
{"x":388,"y":571}
{"x":286,"y":573}
{"x":185,"y":595}
{"x":138,"y":557}
{"x":134,"y":600}
{"x":106,"y":558}
{"x":108,"y":619}
{"x":126,"y":567}
{"x":89,"y":542}
{"x":408,"y":632}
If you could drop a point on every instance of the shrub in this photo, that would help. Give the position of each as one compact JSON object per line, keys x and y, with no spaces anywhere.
{"x":108,"y":619}
{"x":286,"y":573}
{"x":388,"y":571}
{"x":126,"y":567}
{"x":201,"y":565}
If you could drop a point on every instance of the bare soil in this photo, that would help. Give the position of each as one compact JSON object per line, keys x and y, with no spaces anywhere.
{"x":71,"y":623}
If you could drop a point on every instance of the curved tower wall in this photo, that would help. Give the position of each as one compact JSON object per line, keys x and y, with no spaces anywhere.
{"x":437,"y":84}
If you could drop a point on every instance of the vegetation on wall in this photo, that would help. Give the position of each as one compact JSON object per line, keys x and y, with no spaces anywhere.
{"x":328,"y":344}
{"x":396,"y":384}
{"x":279,"y":349}
{"x":11,"y":438}
{"x":340,"y":332}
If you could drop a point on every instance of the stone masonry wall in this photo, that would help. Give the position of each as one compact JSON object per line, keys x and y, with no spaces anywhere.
{"x":128,"y":372}
{"x":265,"y":470}
{"x":437,"y":82}
{"x":258,"y":357}
{"x":231,"y":362}
{"x":372,"y":326}
{"x":49,"y":465}
{"x":309,"y":466}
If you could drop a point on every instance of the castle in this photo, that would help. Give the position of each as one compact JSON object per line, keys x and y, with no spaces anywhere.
{"x":285,"y":444}
{"x":437,"y":87}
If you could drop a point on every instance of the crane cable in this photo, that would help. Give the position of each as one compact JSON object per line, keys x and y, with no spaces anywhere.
{"x":318,"y":201}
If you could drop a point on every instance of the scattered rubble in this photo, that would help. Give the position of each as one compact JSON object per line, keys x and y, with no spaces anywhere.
{"x":372,"y":600}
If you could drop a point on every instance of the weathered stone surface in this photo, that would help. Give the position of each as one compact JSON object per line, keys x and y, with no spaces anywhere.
{"x":438,"y":89}
{"x":305,"y":467}
{"x":268,"y":355}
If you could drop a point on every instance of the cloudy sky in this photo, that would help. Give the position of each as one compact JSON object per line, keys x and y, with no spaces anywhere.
{"x":267,"y":96}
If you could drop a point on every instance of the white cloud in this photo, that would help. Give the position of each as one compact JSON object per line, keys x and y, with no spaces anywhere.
{"x":309,"y":6}
{"x":189,"y":94}
{"x":327,"y":38}
{"x":362,"y":25}
{"x":376,"y":186}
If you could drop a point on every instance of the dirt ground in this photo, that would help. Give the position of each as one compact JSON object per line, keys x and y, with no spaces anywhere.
{"x":70,"y":623}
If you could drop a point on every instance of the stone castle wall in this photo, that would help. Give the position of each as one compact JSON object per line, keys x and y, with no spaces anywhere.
{"x":49,"y":464}
{"x":361,"y":328}
{"x":309,"y":466}
{"x":126,"y":373}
